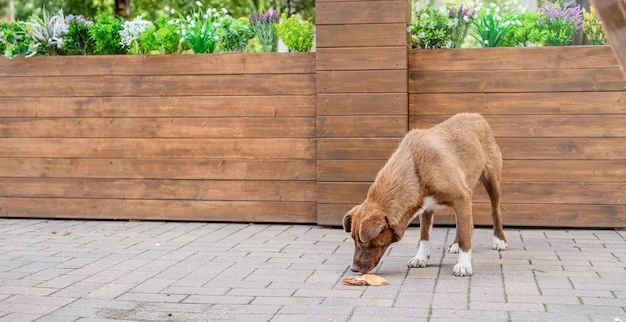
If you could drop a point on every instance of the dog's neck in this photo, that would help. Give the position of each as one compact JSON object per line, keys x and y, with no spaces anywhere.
{"x":397,"y":191}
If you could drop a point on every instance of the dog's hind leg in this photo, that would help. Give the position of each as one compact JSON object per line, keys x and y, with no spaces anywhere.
{"x":491,"y":179}
{"x":423,"y":249}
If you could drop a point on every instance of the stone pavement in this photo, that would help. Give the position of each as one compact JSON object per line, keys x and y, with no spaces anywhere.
{"x":62,"y":270}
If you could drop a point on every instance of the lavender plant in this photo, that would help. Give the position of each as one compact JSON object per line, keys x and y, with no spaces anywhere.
{"x":130,"y":33}
{"x":461,"y":19}
{"x":264,"y":25}
{"x":560,"y":23}
{"x":490,"y":27}
{"x":199,"y":30}
{"x":47,"y":31}
{"x":77,"y":40}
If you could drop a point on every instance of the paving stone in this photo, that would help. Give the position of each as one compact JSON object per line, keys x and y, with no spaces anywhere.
{"x":209,"y":299}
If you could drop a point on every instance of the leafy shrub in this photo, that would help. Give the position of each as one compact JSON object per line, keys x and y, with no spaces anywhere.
{"x":264,"y":25}
{"x":164,"y":38}
{"x":432,"y":28}
{"x":461,"y":19}
{"x":235,"y":34}
{"x":559,"y":24}
{"x":48,"y":30}
{"x":593,"y":28}
{"x":129,"y":35}
{"x":200,"y":29}
{"x":16,"y":41}
{"x":526,"y":32}
{"x":77,"y":40}
{"x":297,"y":36}
{"x":105,"y":33}
{"x":491,"y":28}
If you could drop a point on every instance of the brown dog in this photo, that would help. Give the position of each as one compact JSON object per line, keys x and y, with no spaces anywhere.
{"x":430,"y":168}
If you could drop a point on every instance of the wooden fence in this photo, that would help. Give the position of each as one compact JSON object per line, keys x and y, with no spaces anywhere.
{"x":189,"y":137}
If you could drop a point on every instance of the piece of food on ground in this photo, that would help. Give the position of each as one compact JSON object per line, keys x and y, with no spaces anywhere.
{"x":365,"y":280}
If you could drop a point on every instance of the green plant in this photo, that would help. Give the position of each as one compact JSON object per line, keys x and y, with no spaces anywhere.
{"x":16,"y":42}
{"x":200,"y":29}
{"x":264,"y":25}
{"x":235,"y":34}
{"x":163,"y":38}
{"x":105,"y":33}
{"x":77,"y":40}
{"x":593,"y":28}
{"x":461,"y":18}
{"x":491,"y":28}
{"x":559,"y":23}
{"x":297,"y":36}
{"x":432,"y":28}
{"x":47,"y":31}
{"x":129,"y":35}
{"x":525,"y":33}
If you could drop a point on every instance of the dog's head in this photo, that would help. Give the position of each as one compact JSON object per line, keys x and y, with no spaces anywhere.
{"x":371,"y":233}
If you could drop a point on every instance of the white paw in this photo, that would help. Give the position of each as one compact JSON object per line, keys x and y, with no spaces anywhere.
{"x":463,"y":265}
{"x":417,"y":262}
{"x":499,"y":244}
{"x":454,"y":248}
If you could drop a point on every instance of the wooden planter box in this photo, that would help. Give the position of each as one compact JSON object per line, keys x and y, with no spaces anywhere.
{"x":188,"y":137}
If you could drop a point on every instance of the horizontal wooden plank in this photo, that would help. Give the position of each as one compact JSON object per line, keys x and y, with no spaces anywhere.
{"x":234,"y":127}
{"x":360,"y":12}
{"x":206,"y":85}
{"x":232,"y":211}
{"x":514,"y":170}
{"x":242,"y":190}
{"x":519,"y":103}
{"x":526,"y":215}
{"x":512,"y":192}
{"x":362,"y":104}
{"x":359,"y":126}
{"x":362,"y":58}
{"x":601,"y":126}
{"x":159,"y":148}
{"x":188,"y":106}
{"x":563,"y":148}
{"x":383,"y":81}
{"x":552,"y":80}
{"x":212,"y":64}
{"x":356,"y":149}
{"x":346,"y":170}
{"x":159,"y":169}
{"x":364,"y":35}
{"x":472,"y":59}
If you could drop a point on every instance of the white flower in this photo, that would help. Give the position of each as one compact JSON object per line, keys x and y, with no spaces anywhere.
{"x":132,"y":30}
{"x":198,"y":3}
{"x":172,"y":11}
{"x":205,"y":16}
{"x":486,"y":28}
{"x":486,"y":42}
{"x":492,"y":4}
{"x":466,"y":18}
{"x":224,"y":10}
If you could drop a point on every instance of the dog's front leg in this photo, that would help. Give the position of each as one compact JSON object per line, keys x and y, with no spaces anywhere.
{"x":423,"y":250}
{"x":464,"y":228}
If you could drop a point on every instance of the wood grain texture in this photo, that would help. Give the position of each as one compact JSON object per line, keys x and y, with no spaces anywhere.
{"x":185,"y":106}
{"x":233,"y":127}
{"x":360,"y":12}
{"x":387,"y":81}
{"x":184,"y":85}
{"x":519,"y":103}
{"x":232,"y":211}
{"x":153,"y":148}
{"x":348,"y":170}
{"x":593,"y":126}
{"x":159,"y":169}
{"x":225,"y":190}
{"x":525,"y":58}
{"x":363,"y":35}
{"x":362,"y":104}
{"x":563,"y":148}
{"x":551,"y":80}
{"x":360,"y":126}
{"x":528,"y":215}
{"x":135,"y":65}
{"x":362,"y":58}
{"x":612,"y":13}
{"x":356,"y":148}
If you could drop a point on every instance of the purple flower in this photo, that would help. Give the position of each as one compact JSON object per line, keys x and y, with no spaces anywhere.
{"x":553,"y":12}
{"x":461,"y":13}
{"x":271,"y":16}
{"x":77,"y":19}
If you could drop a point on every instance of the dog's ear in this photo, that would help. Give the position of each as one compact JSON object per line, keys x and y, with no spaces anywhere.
{"x":347,"y":219}
{"x":371,"y":227}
